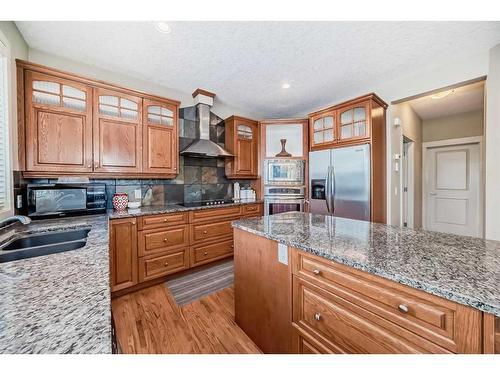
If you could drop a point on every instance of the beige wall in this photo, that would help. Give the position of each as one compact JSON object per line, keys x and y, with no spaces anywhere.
{"x":411,"y":127}
{"x":468,"y":124}
{"x":492,"y":136}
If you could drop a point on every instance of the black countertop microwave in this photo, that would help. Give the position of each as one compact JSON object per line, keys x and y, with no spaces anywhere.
{"x":56,"y":200}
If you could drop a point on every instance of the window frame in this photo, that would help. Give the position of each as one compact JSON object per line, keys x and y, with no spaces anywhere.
{"x":5,"y":53}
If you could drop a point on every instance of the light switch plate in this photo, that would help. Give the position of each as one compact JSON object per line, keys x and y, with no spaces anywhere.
{"x":282,"y":253}
{"x":137,"y":194}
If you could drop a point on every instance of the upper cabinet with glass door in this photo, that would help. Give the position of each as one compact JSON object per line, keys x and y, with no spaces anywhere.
{"x":323,"y":129}
{"x":160,"y":147}
{"x":58,"y":131}
{"x":117,"y":132}
{"x":353,"y":122}
{"x":347,"y":123}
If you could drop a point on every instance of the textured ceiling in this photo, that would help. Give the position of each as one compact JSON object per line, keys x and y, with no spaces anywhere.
{"x":460,"y":100}
{"x":245,"y":63}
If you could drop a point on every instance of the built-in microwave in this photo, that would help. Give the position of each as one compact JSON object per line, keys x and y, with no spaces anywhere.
{"x":56,"y":200}
{"x":284,"y":172}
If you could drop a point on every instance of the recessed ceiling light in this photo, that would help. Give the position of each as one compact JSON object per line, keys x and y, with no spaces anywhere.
{"x":163,"y":27}
{"x":442,"y":94}
{"x":285,"y":86}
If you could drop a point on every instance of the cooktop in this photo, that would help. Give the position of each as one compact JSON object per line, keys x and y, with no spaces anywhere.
{"x":213,"y":202}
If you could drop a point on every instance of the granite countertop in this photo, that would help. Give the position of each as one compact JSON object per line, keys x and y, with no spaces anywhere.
{"x":169,"y":208}
{"x":59,"y":303}
{"x":462,"y":269}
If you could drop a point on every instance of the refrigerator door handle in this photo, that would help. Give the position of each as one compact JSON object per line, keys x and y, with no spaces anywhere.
{"x":333,"y":189}
{"x":328,"y":188}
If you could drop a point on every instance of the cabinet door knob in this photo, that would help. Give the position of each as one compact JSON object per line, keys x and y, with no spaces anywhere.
{"x":89,"y":166}
{"x":205,"y":232}
{"x":232,"y":246}
{"x":165,"y":220}
{"x":165,"y":240}
{"x":403,"y":308}
{"x":316,"y":271}
{"x":205,"y":253}
{"x":317,"y":316}
{"x":166,"y":264}
{"x":133,"y":222}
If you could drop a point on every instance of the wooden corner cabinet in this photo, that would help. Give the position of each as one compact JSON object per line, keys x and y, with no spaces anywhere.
{"x":242,"y":137}
{"x":351,"y":122}
{"x":71,"y":125}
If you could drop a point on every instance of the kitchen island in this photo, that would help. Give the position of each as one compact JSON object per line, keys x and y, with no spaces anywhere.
{"x":412,"y":291}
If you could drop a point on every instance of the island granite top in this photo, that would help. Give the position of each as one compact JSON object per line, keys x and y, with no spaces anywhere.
{"x":170,"y":208}
{"x":462,"y":269}
{"x":58,"y":303}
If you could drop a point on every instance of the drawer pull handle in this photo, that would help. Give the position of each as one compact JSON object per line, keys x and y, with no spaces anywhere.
{"x":165,"y":240}
{"x":165,"y":220}
{"x":317,"y":316}
{"x":205,"y":253}
{"x":232,"y":246}
{"x":316,"y":271}
{"x":403,"y":308}
{"x":205,"y":232}
{"x":166,"y":264}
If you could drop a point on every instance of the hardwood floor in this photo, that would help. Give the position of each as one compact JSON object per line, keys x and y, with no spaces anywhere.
{"x":149,"y":321}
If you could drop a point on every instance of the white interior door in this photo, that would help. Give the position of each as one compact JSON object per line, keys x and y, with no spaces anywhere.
{"x":452,"y":194}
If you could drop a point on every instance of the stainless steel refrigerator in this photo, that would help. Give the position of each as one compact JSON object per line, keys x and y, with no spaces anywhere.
{"x":339,"y":182}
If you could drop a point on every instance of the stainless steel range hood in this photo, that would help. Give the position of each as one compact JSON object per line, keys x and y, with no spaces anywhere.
{"x":203,"y":146}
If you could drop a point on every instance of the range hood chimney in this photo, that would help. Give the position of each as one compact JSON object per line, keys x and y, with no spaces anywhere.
{"x":203,"y":146}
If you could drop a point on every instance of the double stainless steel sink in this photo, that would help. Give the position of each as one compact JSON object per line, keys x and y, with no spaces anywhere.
{"x":38,"y":244}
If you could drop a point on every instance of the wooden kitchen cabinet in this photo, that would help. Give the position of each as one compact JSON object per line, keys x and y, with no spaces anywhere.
{"x":58,"y":124}
{"x":355,"y":312}
{"x":353,"y":122}
{"x":117,"y":132}
{"x":323,"y":129}
{"x":72,"y":125}
{"x":123,"y":253}
{"x":160,"y":137}
{"x":242,"y":141}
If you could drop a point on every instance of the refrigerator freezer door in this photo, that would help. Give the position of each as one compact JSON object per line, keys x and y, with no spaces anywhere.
{"x":319,"y":161}
{"x":351,"y":187}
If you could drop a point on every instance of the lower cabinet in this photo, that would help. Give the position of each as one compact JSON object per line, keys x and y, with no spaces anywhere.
{"x":152,"y":267}
{"x":318,"y":306}
{"x":152,"y":247}
{"x":350,"y":311}
{"x":206,"y":253}
{"x":123,"y":253}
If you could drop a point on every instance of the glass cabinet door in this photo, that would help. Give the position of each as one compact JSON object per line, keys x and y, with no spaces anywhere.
{"x":353,"y":122}
{"x":323,"y":129}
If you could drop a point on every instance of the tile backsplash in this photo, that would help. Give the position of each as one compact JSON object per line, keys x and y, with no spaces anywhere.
{"x":198,"y":179}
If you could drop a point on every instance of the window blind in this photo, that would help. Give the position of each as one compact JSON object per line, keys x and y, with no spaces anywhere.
{"x":3,"y":134}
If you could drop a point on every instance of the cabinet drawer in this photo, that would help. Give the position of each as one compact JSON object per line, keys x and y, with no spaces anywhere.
{"x":338,"y":323}
{"x":252,"y":210}
{"x":431,"y":317}
{"x":304,"y":343}
{"x":160,"y":221}
{"x":215,"y":214}
{"x":159,"y":240}
{"x":209,"y":231}
{"x":161,"y":265}
{"x":209,"y":253}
